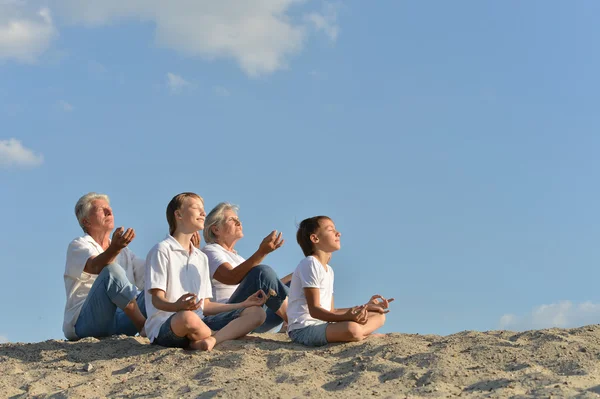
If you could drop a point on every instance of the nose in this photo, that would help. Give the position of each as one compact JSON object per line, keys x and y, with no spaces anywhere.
{"x":107,"y":211}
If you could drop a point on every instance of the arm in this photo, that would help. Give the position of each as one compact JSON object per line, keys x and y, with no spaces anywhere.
{"x":186,"y":302}
{"x":213,"y":308}
{"x":120,"y":240}
{"x":316,"y":311}
{"x":288,"y":279}
{"x":230,"y":275}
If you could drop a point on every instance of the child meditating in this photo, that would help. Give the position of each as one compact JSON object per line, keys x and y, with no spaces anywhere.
{"x":312,"y":318}
{"x":178,"y":288}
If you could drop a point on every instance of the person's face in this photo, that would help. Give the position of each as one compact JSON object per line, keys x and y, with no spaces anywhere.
{"x":100,"y":217}
{"x":327,"y":238}
{"x":191,"y":215}
{"x":231,"y":229}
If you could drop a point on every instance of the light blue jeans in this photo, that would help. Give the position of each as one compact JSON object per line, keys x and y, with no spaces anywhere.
{"x":262,"y":277}
{"x":102,"y":312}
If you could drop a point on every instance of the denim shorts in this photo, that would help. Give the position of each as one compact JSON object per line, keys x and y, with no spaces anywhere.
{"x":166,"y":336}
{"x":310,"y":336}
{"x":220,"y":320}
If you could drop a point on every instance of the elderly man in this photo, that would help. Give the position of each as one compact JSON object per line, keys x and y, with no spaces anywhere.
{"x":101,"y":276}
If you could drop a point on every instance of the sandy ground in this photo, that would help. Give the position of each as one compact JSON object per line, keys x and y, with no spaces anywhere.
{"x":498,"y":364}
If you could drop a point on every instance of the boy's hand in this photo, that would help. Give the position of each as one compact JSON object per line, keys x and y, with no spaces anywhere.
{"x":257,"y":299}
{"x":378,"y":304}
{"x":358,"y":314}
{"x":189,"y":302}
{"x":196,"y":240}
{"x":270,"y":243}
{"x":121,"y":239}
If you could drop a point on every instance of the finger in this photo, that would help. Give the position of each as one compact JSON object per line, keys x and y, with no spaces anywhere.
{"x":132,"y":234}
{"x":390,"y":300}
{"x":129,"y":234}
{"x":118,"y":232}
{"x":260,"y":294}
{"x":280,"y":243}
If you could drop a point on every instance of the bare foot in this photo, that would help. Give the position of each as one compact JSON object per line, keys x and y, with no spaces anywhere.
{"x":205,"y":344}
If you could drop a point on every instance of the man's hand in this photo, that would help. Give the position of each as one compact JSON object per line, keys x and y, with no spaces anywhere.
{"x":358,"y":314}
{"x":378,"y":304}
{"x":270,"y":243}
{"x":189,"y":302}
{"x":121,"y":239}
{"x":196,"y":240}
{"x":257,"y":299}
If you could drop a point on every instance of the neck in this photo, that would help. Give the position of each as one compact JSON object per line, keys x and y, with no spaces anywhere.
{"x":102,"y":237}
{"x":322,"y":256}
{"x":185,"y":239}
{"x":227,"y":244}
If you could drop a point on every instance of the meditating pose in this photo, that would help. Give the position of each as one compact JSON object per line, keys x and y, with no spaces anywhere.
{"x":103,"y":278}
{"x":313,"y":319}
{"x":179,"y":292}
{"x":235,"y":278}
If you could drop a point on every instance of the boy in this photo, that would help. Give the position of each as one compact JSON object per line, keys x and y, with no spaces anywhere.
{"x":313,"y":319}
{"x":178,"y":289}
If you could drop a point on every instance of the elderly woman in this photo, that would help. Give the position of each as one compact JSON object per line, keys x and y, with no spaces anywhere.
{"x":234,"y":278}
{"x":102,"y":276}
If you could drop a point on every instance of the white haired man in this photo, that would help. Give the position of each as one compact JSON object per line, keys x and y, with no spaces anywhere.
{"x":102,"y":276}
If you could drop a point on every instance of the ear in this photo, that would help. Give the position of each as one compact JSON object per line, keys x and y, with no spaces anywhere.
{"x":314,"y":238}
{"x":86,"y":222}
{"x":214,"y":229}
{"x":178,"y":214}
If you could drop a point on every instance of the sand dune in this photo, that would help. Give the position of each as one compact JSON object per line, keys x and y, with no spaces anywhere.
{"x":497,"y":364}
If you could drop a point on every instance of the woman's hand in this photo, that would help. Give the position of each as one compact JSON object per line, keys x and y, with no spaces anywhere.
{"x":196,"y":240}
{"x":257,"y":299}
{"x":189,"y":302}
{"x":378,"y":304}
{"x":358,"y":314}
{"x":270,"y":243}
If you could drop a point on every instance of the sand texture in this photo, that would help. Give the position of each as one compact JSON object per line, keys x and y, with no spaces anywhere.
{"x":498,"y":364}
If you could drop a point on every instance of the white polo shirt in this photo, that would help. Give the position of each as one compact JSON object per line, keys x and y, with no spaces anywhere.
{"x":217,"y":255}
{"x":310,"y":273}
{"x":78,"y":283}
{"x":176,"y":271}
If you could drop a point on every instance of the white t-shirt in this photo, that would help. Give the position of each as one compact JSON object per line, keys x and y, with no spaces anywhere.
{"x":310,"y":273}
{"x":78,"y":283}
{"x":174,"y":270}
{"x":217,"y":255}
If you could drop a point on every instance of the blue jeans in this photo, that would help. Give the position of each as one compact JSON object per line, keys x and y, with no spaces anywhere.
{"x":310,"y":336}
{"x":102,"y":312}
{"x":262,"y":277}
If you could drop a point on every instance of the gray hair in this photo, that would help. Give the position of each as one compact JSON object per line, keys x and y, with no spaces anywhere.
{"x":216,"y":217}
{"x":83,"y":206}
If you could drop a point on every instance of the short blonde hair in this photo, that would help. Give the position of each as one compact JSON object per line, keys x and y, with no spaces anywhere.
{"x":174,"y":205}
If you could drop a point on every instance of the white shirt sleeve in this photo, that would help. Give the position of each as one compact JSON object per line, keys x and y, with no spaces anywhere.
{"x":215,"y":257}
{"x":310,"y":273}
{"x":156,"y":267}
{"x":77,"y":256}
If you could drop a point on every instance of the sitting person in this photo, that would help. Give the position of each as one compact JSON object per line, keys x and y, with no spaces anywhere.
{"x":178,"y":288}
{"x":235,"y":278}
{"x":312,"y":317}
{"x":102,"y":276}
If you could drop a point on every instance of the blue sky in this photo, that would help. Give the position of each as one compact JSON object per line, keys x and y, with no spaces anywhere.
{"x":454,"y":145}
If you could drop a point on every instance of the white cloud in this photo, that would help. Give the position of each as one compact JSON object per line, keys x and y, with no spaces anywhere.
{"x":12,"y":153}
{"x":326,"y":21}
{"x":562,"y":314}
{"x":24,"y":33}
{"x":3,"y":339}
{"x":221,"y":91}
{"x":176,"y":83}
{"x":260,"y":35}
{"x":65,"y":106}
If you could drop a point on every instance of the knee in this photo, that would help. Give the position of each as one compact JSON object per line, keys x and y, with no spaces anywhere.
{"x":188,"y":319}
{"x":115,"y":271}
{"x":265,"y":272}
{"x":257,"y":313}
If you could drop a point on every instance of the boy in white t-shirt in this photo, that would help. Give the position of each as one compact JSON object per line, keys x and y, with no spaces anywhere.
{"x":178,"y":288}
{"x":312,"y":317}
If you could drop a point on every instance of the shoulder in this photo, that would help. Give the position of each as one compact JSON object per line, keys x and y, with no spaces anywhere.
{"x":309,"y":263}
{"x":162,"y":247}
{"x":80,"y":242}
{"x":212,"y":249}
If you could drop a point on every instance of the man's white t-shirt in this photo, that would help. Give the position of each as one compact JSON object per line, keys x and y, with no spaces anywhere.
{"x":217,"y":255}
{"x":78,"y":283}
{"x":176,"y":271}
{"x":310,"y":273}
